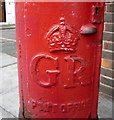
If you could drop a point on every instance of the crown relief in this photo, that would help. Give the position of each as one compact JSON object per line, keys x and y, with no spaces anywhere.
{"x":62,"y":37}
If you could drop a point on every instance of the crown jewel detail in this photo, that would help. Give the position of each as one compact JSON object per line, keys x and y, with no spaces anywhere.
{"x":62,"y":37}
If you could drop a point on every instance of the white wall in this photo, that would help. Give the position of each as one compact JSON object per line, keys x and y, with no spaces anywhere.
{"x":10,"y":11}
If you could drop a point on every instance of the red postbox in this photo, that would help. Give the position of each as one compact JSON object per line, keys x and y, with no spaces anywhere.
{"x":59,"y":53}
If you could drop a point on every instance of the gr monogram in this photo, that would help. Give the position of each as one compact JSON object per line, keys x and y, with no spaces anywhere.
{"x":49,"y":77}
{"x":61,"y":38}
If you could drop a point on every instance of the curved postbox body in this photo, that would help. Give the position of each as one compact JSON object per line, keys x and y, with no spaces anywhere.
{"x":59,"y":53}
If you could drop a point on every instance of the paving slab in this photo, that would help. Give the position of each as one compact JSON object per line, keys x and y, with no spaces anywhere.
{"x":105,"y":106}
{"x":8,"y":78}
{"x":10,"y":102}
{"x":5,"y":114}
{"x":6,"y":60}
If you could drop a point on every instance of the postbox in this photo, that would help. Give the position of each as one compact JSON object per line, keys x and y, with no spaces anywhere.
{"x":59,"y":52}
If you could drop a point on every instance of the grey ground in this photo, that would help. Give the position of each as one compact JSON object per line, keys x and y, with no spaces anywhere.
{"x":9,"y":97}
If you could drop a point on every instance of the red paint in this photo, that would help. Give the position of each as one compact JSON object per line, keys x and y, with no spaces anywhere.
{"x":59,"y":58}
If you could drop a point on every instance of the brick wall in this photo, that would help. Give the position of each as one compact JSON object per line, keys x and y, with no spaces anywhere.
{"x":107,"y":72}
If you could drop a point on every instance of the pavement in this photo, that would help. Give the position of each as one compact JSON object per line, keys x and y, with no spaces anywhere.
{"x":9,"y":95}
{"x":7,"y":26}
